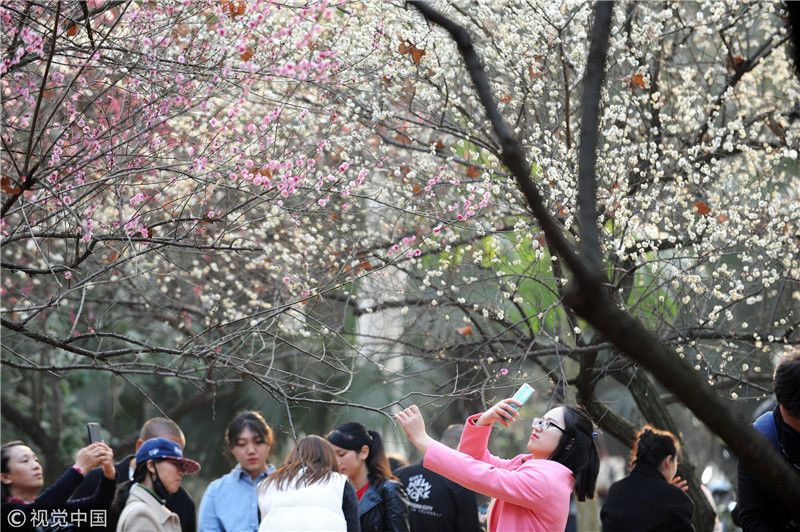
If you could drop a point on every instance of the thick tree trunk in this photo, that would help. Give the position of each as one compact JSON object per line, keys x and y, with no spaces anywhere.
{"x":588,"y":296}
{"x":759,"y":458}
{"x":655,"y":411}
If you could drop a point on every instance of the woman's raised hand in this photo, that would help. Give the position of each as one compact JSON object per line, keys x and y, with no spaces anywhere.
{"x":414,"y":426}
{"x":502,"y":412}
{"x":95,"y":454}
{"x":107,"y":462}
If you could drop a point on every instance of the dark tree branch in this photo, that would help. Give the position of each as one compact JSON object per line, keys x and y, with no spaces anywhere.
{"x":793,"y":9}
{"x":611,"y":422}
{"x":511,"y":153}
{"x":26,"y":424}
{"x":95,"y":355}
{"x":30,"y":57}
{"x":28,"y":151}
{"x":88,"y":21}
{"x":633,"y":339}
{"x":751,"y":62}
{"x":186,"y":406}
{"x":587,"y":151}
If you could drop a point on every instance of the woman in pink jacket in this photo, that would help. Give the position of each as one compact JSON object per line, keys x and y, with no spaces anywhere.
{"x":531,"y":492}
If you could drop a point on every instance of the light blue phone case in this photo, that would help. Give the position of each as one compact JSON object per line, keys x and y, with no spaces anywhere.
{"x":523,"y":394}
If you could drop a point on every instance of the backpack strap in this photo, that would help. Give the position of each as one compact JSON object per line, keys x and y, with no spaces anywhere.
{"x":765,"y":424}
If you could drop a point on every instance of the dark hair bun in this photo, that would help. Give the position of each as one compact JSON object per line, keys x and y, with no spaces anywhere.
{"x":652,"y":446}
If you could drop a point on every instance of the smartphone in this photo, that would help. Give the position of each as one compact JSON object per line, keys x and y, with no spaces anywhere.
{"x":94,"y":432}
{"x":523,"y":394}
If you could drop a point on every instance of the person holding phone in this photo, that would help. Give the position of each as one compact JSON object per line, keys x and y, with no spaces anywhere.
{"x":22,"y":479}
{"x":530,"y":492}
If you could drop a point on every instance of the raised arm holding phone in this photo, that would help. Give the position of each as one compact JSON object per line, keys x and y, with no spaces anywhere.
{"x":530,"y":491}
{"x":22,"y":479}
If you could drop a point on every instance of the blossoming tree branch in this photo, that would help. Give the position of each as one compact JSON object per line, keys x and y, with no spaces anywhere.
{"x":306,"y":196}
{"x":588,"y":294}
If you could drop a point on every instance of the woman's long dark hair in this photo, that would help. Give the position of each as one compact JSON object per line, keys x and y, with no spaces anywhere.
{"x":353,"y":436}
{"x":652,"y":446}
{"x":577,"y":450}
{"x":5,"y":456}
{"x":313,"y":456}
{"x":123,"y":490}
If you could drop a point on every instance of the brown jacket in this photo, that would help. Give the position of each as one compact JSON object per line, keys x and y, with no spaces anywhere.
{"x":143,"y":513}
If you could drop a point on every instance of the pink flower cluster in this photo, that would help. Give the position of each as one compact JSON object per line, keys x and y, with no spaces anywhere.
{"x":134,"y":226}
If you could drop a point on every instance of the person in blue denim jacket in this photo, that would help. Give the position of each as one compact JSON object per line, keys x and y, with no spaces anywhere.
{"x":230,"y":503}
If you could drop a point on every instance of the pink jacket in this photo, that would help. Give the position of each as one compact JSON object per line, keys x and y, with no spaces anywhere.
{"x":529,"y":494}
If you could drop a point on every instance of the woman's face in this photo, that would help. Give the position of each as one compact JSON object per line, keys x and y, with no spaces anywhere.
{"x":171,"y":474}
{"x":251,"y":451}
{"x":543,"y":442}
{"x":24,"y":471}
{"x":351,"y":463}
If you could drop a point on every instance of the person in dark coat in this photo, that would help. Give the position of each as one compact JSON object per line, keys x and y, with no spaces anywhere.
{"x":382,"y":500}
{"x":22,"y":479}
{"x":651,"y":497}
{"x":756,"y":511}
{"x":179,"y":502}
{"x":437,"y":503}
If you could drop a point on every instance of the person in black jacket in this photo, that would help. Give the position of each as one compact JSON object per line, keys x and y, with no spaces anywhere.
{"x":651,"y":497}
{"x":755,"y":510}
{"x":437,"y":503}
{"x":382,"y":501}
{"x":22,"y":479}
{"x":180,"y":502}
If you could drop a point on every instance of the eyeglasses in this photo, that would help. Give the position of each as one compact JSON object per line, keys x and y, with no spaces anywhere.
{"x":543,"y":424}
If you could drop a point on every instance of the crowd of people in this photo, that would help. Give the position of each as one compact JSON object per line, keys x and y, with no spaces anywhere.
{"x":344,"y":482}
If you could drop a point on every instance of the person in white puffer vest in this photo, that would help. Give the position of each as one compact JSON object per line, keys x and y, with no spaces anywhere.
{"x":308,"y":492}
